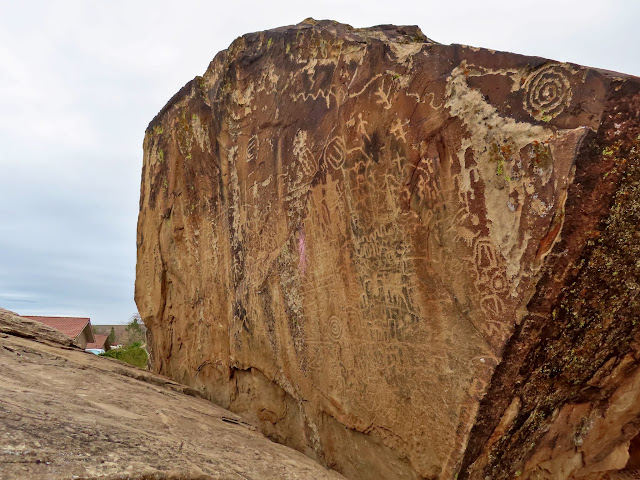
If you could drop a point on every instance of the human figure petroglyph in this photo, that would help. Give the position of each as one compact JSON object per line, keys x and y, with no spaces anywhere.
{"x":383,"y":97}
{"x":361,"y":127}
{"x":398,"y":129}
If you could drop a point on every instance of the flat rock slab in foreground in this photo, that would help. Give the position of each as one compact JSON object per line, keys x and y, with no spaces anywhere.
{"x":69,"y":414}
{"x":405,"y":259}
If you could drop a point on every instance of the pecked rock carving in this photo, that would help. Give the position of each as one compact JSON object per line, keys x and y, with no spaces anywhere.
{"x":547,"y":92}
{"x":404,"y":259}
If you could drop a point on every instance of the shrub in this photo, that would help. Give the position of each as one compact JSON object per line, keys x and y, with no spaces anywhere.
{"x":132,"y":354}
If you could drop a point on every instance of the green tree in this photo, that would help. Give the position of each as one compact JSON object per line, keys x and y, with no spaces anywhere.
{"x":134,"y":329}
{"x":112,"y":336}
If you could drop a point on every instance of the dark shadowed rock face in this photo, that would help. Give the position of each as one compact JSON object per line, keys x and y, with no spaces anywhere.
{"x":405,"y":259}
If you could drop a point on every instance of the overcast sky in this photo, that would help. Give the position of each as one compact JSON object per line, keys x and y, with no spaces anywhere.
{"x":80,"y":80}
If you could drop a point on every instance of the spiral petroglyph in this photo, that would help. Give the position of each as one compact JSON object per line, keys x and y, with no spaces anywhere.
{"x":335,"y":328}
{"x":547,"y":92}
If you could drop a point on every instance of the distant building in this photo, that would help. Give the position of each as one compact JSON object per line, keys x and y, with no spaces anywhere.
{"x":101,"y":344}
{"x":79,"y":329}
{"x":123,"y":337}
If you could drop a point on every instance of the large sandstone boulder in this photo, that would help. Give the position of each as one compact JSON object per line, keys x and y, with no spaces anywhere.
{"x":405,"y":259}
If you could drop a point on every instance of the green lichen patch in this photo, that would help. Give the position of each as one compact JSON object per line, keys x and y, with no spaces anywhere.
{"x":504,"y":156}
{"x":594,"y":321}
{"x":185,"y":135}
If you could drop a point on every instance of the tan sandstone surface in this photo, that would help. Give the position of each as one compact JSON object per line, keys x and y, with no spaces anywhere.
{"x":67,"y":414}
{"x":404,"y":259}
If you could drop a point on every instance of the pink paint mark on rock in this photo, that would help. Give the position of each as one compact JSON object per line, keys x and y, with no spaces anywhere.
{"x":302,"y":264}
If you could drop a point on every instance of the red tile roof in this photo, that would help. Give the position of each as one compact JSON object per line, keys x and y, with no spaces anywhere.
{"x":70,"y":326}
{"x":99,"y":343}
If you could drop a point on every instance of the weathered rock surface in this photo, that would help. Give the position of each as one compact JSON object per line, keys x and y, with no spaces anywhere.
{"x":32,"y":330}
{"x":405,"y":259}
{"x":65,"y":413}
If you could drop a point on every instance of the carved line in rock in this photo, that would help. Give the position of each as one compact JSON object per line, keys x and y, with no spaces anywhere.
{"x":335,"y":328}
{"x":334,"y":154}
{"x":252,"y":148}
{"x":547,"y":92}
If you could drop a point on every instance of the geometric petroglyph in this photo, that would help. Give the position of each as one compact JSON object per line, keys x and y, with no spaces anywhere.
{"x":308,"y":162}
{"x":491,"y":281}
{"x":547,"y":92}
{"x":335,"y":328}
{"x":335,"y":152}
{"x":252,"y":148}
{"x":498,"y":281}
{"x":484,"y":254}
{"x":492,"y":306}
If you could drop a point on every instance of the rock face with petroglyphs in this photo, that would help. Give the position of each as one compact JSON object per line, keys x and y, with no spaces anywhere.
{"x":405,"y":259}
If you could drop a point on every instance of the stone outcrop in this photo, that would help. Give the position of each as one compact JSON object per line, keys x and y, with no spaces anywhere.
{"x":65,"y":413}
{"x":404,"y":259}
{"x":12,"y":324}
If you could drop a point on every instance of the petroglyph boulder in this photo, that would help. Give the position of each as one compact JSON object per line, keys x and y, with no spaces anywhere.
{"x":405,"y":259}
